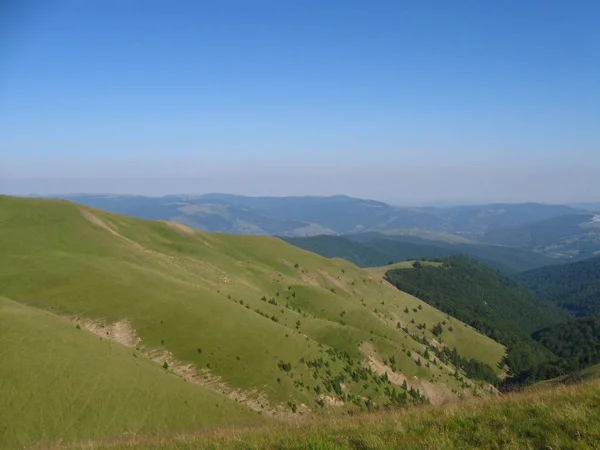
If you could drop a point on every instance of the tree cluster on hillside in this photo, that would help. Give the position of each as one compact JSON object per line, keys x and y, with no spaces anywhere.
{"x":574,"y":287}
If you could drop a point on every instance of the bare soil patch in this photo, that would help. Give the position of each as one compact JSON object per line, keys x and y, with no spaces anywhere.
{"x":123,"y":333}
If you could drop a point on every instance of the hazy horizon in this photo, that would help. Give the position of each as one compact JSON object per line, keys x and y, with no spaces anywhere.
{"x":293,"y":187}
{"x":469,"y":102}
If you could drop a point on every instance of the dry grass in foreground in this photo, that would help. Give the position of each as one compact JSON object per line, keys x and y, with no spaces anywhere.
{"x":565,"y":417}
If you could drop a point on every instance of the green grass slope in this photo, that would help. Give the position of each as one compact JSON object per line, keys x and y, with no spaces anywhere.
{"x":62,"y":383}
{"x":282,"y":330}
{"x":551,"y":416}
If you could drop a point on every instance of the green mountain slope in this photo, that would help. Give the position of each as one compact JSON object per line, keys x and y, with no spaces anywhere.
{"x":490,"y":302}
{"x":279,"y":329}
{"x":60,"y":382}
{"x":576,"y":345}
{"x":574,"y":287}
{"x":576,"y":342}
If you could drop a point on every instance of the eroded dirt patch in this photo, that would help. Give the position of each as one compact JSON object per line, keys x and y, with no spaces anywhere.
{"x":123,"y":333}
{"x":436,"y":393}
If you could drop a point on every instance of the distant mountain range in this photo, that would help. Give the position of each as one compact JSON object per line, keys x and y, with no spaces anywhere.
{"x":509,"y":237}
{"x":571,"y":236}
{"x":309,"y":216}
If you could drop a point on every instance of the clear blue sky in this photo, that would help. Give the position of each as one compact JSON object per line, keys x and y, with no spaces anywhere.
{"x":419,"y":101}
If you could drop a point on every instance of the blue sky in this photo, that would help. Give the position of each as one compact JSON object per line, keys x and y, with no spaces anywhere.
{"x":410,"y":102}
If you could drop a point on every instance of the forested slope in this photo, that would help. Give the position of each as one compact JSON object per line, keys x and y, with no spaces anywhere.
{"x":490,"y":302}
{"x":574,"y":287}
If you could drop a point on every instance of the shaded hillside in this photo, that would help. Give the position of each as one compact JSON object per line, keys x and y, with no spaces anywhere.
{"x":576,"y":345}
{"x":309,"y":216}
{"x":375,"y":252}
{"x":492,"y":303}
{"x":576,"y":342}
{"x":375,"y":249}
{"x":280,"y":330}
{"x":574,"y":287}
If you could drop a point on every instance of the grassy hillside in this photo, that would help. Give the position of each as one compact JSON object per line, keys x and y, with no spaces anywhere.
{"x":550,"y":416}
{"x":574,"y":287}
{"x":492,"y":303}
{"x":61,"y":382}
{"x":282,"y":330}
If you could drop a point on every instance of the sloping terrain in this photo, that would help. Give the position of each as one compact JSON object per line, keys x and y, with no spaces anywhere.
{"x":492,"y":303}
{"x":58,"y":381}
{"x":553,"y":415}
{"x":576,"y":342}
{"x":574,"y":287}
{"x":309,"y":216}
{"x":278,"y":329}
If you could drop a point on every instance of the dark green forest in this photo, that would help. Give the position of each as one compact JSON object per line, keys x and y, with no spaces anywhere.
{"x":574,"y":287}
{"x":576,"y":345}
{"x":576,"y":342}
{"x":542,"y":340}
{"x":491,"y":302}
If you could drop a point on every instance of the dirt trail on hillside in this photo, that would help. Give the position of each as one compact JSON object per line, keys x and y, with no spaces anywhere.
{"x":181,"y":227}
{"x":223,"y":277}
{"x":123,"y":333}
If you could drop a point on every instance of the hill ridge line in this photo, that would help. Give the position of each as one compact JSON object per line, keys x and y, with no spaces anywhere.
{"x":95,"y":220}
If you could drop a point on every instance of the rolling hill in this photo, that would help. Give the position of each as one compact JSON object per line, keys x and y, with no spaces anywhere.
{"x":252,"y":319}
{"x":574,"y":287}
